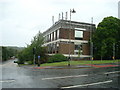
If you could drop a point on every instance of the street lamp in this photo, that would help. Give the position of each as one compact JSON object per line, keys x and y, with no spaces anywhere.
{"x":71,"y":11}
{"x":91,"y":42}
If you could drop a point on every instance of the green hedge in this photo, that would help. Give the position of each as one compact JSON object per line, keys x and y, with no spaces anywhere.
{"x":56,"y":58}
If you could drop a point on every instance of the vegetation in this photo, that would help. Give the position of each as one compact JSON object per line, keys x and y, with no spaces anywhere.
{"x":57,"y":58}
{"x":34,"y":48}
{"x":106,"y":39}
{"x":8,"y":52}
{"x":83,"y":62}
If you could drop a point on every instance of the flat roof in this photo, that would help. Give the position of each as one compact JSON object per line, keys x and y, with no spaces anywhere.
{"x":68,"y":22}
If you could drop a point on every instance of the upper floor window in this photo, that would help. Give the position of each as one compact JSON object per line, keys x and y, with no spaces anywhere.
{"x":51,"y":36}
{"x":54,"y":35}
{"x":78,"y":35}
{"x":57,"y":34}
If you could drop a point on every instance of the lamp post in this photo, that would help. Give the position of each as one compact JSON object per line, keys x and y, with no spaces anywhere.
{"x":91,"y":42}
{"x":71,"y":11}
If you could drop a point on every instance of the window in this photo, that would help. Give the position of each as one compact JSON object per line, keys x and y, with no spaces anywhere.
{"x":57,"y":34}
{"x":78,"y":35}
{"x":51,"y":36}
{"x":78,"y":49}
{"x":54,"y":35}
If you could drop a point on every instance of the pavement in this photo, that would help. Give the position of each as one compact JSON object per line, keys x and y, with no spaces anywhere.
{"x":62,"y":67}
{"x":104,"y":65}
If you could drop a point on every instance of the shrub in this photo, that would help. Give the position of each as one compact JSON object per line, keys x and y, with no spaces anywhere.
{"x":56,"y":58}
{"x":20,"y":62}
{"x":30,"y":62}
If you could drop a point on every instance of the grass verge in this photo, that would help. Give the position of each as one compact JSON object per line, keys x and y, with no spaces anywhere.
{"x":81,"y":62}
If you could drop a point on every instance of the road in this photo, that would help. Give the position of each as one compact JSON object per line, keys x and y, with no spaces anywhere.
{"x":14,"y":76}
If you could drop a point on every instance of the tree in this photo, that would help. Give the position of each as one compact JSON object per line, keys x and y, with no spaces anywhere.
{"x":8,"y":52}
{"x":4,"y":54}
{"x":106,"y":34}
{"x":36,"y":44}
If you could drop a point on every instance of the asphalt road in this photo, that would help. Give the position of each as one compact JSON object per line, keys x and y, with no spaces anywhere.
{"x":28,"y":77}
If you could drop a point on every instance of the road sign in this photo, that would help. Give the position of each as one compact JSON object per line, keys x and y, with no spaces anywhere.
{"x":38,"y":57}
{"x":38,"y":60}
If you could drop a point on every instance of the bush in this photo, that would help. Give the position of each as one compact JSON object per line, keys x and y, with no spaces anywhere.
{"x":57,"y":58}
{"x":20,"y":62}
{"x":30,"y":62}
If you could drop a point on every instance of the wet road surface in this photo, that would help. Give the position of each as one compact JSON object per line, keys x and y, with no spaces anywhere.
{"x":14,"y":76}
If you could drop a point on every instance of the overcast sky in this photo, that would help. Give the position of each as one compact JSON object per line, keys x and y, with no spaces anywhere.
{"x":21,"y":20}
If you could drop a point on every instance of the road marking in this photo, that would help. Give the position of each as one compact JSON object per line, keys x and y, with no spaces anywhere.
{"x":87,"y":84}
{"x":112,"y":72}
{"x":64,"y":77}
{"x":7,"y":81}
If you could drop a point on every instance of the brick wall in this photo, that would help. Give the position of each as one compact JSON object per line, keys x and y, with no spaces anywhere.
{"x":86,"y":35}
{"x":64,"y":48}
{"x":86,"y":49}
{"x":64,"y":34}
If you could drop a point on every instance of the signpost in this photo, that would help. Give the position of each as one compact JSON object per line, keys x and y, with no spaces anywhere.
{"x":38,"y":60}
{"x":34,"y":55}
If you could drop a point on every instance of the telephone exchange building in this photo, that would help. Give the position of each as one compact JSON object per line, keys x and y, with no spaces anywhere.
{"x":69,"y":38}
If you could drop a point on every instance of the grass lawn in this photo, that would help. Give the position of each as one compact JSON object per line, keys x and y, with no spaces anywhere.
{"x":81,"y":62}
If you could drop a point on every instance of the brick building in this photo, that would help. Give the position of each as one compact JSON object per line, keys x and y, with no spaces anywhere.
{"x":69,"y":38}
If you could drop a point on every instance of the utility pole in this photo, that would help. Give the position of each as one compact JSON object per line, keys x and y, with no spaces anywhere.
{"x":62,"y":16}
{"x":53,"y":20}
{"x":59,"y":17}
{"x":66,"y":16}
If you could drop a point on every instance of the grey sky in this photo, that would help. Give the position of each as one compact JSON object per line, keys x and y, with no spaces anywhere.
{"x":20,"y":20}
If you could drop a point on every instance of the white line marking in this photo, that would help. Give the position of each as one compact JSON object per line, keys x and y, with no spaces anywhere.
{"x":64,"y":77}
{"x":7,"y":81}
{"x":112,"y":72}
{"x":87,"y":84}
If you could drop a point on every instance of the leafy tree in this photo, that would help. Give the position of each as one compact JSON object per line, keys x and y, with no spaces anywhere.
{"x":28,"y":55}
{"x":106,"y":34}
{"x":4,"y":53}
{"x":8,"y":52}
